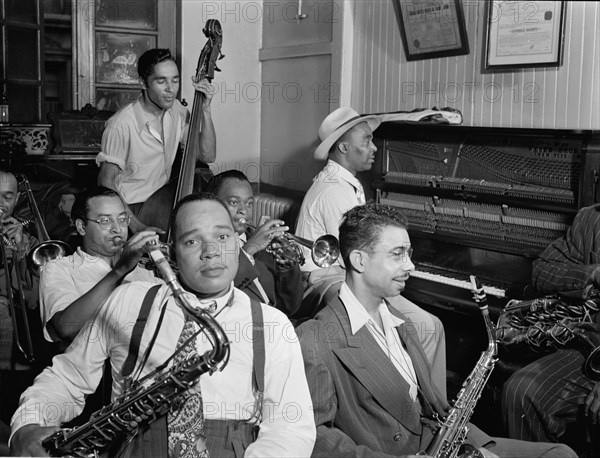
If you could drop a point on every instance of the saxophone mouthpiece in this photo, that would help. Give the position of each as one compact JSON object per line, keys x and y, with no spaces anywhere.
{"x":476,"y":284}
{"x":479,"y":294}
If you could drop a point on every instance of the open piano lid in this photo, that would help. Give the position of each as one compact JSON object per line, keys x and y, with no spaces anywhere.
{"x":485,"y":201}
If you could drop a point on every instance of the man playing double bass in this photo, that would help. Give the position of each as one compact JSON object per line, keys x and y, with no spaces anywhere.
{"x":140,"y":141}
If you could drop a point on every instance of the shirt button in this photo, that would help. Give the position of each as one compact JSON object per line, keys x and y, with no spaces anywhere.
{"x":397,"y":436}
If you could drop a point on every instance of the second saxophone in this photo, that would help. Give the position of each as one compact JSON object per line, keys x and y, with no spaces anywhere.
{"x":450,"y":437}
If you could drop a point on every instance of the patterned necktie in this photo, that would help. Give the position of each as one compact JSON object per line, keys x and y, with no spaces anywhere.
{"x":360,"y":194}
{"x":185,"y":419}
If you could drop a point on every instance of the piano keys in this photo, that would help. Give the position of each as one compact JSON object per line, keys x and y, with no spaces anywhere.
{"x":482,"y":201}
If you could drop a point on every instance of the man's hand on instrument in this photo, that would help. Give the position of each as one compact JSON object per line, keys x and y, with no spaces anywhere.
{"x":133,"y":250}
{"x":27,"y":441}
{"x":13,"y":230}
{"x":18,"y":240}
{"x":207,"y":89}
{"x":282,"y":261}
{"x":265,"y":232}
{"x":592,"y":404}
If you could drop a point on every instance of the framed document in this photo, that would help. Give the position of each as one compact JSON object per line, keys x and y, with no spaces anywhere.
{"x":432,"y":28}
{"x":524,"y":34}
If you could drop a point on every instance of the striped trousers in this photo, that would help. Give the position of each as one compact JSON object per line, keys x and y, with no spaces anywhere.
{"x":541,"y":400}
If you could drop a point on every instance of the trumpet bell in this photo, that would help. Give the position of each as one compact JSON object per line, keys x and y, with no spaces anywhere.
{"x":49,"y":250}
{"x":325,"y":250}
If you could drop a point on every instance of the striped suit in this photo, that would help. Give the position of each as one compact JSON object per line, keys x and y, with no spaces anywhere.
{"x":361,"y":402}
{"x":571,"y":261}
{"x":543,"y":399}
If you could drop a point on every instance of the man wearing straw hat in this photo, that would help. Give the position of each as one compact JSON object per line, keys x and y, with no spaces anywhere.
{"x":347,"y":146}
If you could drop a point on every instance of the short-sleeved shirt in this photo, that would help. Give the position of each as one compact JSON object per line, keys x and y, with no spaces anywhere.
{"x":143,"y":157}
{"x":67,"y":279}
{"x":333,"y":192}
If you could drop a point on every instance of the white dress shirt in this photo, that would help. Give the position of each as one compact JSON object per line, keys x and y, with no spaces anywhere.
{"x":287,"y":427}
{"x":63,"y":281}
{"x":387,"y":338}
{"x":333,"y":192}
{"x":144,"y":156}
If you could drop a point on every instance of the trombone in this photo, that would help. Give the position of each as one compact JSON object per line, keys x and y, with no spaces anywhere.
{"x":26,"y":347}
{"x":46,"y":250}
{"x":324,"y":251}
{"x":43,"y":252}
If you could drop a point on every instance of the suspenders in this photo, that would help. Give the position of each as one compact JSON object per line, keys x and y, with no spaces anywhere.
{"x":258,"y":345}
{"x":138,"y":330}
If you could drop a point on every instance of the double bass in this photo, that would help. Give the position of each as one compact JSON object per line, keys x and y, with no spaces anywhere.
{"x":157,"y":209}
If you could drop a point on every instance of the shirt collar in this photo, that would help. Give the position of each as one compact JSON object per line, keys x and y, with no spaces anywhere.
{"x":222,"y":302}
{"x":80,"y":256}
{"x":359,"y":316}
{"x":138,"y":112}
{"x":335,"y":170}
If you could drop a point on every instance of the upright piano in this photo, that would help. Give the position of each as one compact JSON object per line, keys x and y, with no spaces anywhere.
{"x":484,"y":202}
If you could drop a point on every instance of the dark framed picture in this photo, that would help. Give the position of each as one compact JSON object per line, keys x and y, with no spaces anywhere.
{"x":432,"y":28}
{"x":524,"y":34}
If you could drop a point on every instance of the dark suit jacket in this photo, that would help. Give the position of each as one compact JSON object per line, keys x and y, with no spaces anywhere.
{"x":361,"y":402}
{"x":283,"y":287}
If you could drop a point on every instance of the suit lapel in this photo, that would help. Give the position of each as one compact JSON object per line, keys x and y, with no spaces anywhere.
{"x":265,"y":277}
{"x":433,"y":398}
{"x":365,"y":359}
{"x":246,"y":273}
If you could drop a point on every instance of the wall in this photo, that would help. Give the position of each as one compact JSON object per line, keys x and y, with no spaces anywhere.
{"x":564,"y":97}
{"x":236,"y":104}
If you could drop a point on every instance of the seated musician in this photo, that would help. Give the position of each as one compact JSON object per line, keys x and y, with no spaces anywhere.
{"x":219,"y":412}
{"x":552,"y":395}
{"x":370,"y":381}
{"x":17,"y":243}
{"x":347,"y":145}
{"x":265,"y":277}
{"x":73,"y":288}
{"x":140,"y":141}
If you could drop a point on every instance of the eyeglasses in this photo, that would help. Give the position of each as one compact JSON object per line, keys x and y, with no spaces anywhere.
{"x":400,"y":254}
{"x":106,"y":222}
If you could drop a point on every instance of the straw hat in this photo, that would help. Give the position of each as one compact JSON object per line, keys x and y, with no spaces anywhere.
{"x":336,"y":124}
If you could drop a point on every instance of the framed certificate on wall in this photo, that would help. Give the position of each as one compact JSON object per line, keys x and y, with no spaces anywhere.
{"x":524,"y":34}
{"x":432,"y":28}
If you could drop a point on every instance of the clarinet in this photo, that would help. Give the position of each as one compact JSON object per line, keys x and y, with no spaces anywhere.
{"x":450,"y":437}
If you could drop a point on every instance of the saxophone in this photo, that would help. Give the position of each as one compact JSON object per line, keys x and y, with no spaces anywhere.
{"x":142,"y":403}
{"x":450,"y":437}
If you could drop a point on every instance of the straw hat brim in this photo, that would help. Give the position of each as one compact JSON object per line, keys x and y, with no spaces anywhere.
{"x":322,"y":150}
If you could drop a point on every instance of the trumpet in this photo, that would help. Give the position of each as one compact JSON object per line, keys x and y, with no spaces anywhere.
{"x":168,"y":252}
{"x":324,"y":251}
